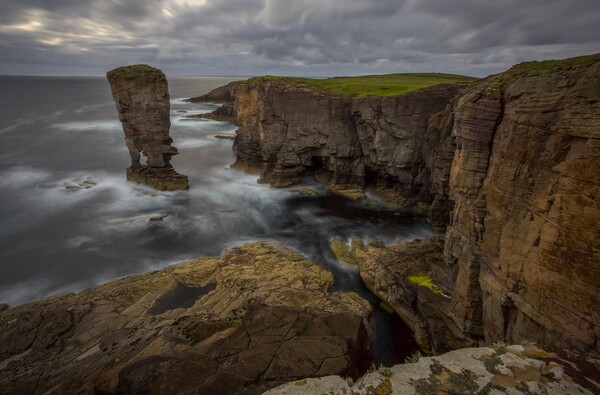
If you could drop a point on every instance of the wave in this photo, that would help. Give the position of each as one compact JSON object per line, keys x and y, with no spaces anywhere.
{"x":101,"y":125}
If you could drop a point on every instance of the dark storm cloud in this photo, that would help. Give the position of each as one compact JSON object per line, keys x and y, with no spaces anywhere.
{"x":312,"y":37}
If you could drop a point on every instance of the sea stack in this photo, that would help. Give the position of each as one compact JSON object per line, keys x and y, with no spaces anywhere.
{"x":141,"y":95}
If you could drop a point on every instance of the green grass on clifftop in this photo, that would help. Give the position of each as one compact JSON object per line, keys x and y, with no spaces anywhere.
{"x":132,"y":70}
{"x":541,"y":68}
{"x":379,"y":85}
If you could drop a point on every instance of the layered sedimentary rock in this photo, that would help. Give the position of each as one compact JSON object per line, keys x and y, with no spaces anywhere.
{"x":141,"y":95}
{"x":222,"y":94}
{"x":289,"y":131}
{"x":254,"y":318}
{"x":525,"y":229}
{"x":514,"y":160}
{"x":403,"y":275}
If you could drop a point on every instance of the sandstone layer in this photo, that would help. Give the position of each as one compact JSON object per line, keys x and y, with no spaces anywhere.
{"x":525,"y":229}
{"x":510,"y":165}
{"x":288,"y":132}
{"x":254,"y":318}
{"x":141,"y":95}
{"x":515,"y":370}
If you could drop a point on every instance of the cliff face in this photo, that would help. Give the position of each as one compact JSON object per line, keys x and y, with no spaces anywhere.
{"x":525,"y":228}
{"x":289,"y":131}
{"x":141,"y":95}
{"x":513,"y":158}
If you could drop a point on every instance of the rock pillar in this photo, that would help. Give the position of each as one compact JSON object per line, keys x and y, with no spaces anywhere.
{"x":141,"y":95}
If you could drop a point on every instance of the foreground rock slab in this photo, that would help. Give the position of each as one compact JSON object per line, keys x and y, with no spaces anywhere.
{"x":488,"y":370}
{"x":254,"y":318}
{"x":141,"y":95}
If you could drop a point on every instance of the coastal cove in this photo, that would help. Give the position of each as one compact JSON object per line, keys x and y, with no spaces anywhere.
{"x":299,"y":236}
{"x":64,"y":191}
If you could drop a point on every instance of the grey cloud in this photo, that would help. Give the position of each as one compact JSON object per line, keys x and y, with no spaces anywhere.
{"x":310,"y":37}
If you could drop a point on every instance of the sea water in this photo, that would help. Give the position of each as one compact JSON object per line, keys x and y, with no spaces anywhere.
{"x":57,"y":131}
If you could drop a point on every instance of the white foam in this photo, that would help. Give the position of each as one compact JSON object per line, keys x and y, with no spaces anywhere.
{"x":78,"y":241}
{"x":20,"y":177}
{"x":103,"y":125}
{"x":20,"y":122}
{"x":91,"y":107}
{"x":192,"y":143}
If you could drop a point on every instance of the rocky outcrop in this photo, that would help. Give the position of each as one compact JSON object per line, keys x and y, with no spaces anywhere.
{"x":414,"y":281}
{"x":510,"y":164}
{"x":254,"y":318}
{"x":222,"y":94}
{"x":515,"y":369}
{"x":141,"y":96}
{"x":387,"y":142}
{"x":224,"y":113}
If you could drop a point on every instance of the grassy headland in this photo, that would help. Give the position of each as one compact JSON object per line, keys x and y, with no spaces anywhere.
{"x":541,"y":68}
{"x":379,"y":85}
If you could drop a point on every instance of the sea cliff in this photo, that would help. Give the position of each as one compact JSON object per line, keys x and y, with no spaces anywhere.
{"x":508,"y":164}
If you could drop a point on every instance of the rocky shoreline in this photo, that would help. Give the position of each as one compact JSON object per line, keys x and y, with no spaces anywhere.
{"x":507,"y":167}
{"x":258,"y":316}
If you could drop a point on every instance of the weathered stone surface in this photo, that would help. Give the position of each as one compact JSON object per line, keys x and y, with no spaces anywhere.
{"x":253,"y":318}
{"x":224,"y":113}
{"x":222,"y":94}
{"x":342,"y":251}
{"x":387,"y":142}
{"x":515,"y":369}
{"x":514,"y":159}
{"x":387,"y":272}
{"x":141,"y":95}
{"x":525,"y":227}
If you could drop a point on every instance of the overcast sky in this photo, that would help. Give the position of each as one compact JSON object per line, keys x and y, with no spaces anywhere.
{"x":292,"y":37}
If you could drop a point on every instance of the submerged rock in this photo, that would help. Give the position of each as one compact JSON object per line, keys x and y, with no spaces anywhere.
{"x":137,"y":218}
{"x":252,"y":319}
{"x":341,"y":251}
{"x":79,"y":183}
{"x":225,"y":136}
{"x":141,"y":95}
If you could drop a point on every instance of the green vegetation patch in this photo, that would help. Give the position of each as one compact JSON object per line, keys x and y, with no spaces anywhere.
{"x":541,"y":68}
{"x":378,"y":85}
{"x":423,"y":280}
{"x":133,"y":70}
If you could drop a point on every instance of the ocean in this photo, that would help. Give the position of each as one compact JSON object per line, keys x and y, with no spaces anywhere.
{"x":58,"y":131}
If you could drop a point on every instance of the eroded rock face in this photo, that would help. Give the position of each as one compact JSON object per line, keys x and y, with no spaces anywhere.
{"x":514,"y":159}
{"x":254,"y":318}
{"x":141,"y":95}
{"x":394,"y":274}
{"x":525,"y":228}
{"x":389,"y":142}
{"x":521,"y":258}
